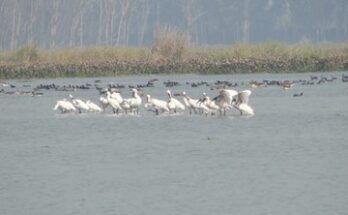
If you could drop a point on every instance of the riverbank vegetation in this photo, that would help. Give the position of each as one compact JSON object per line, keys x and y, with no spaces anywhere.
{"x":170,"y":53}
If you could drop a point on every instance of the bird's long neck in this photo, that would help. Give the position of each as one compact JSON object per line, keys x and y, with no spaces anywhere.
{"x":136,"y":95}
{"x":108,"y":95}
{"x":189,"y":98}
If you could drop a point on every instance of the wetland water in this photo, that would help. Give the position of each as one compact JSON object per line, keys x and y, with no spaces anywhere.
{"x":290,"y":158}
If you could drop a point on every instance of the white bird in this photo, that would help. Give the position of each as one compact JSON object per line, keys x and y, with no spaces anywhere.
{"x":79,"y":104}
{"x":64,"y":106}
{"x":203,"y":108}
{"x":159,"y":105}
{"x":228,"y":95}
{"x":122,"y":102}
{"x":134,"y":102}
{"x":93,"y":107}
{"x":241,"y":103}
{"x":174,"y":104}
{"x":224,"y":99}
{"x":103,"y":102}
{"x":194,"y":104}
{"x":117,"y":96}
{"x":211,"y":104}
{"x":189,"y":102}
{"x":116,"y":107}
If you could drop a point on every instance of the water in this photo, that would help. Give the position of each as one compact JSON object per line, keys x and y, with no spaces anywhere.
{"x":290,"y":158}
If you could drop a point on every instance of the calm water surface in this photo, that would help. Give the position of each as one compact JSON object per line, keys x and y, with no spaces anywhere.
{"x":290,"y":158}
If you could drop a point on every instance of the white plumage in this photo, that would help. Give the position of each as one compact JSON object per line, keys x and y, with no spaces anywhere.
{"x":228,"y":95}
{"x":194,"y":104}
{"x":64,"y":106}
{"x":103,"y":102}
{"x":79,"y":104}
{"x":93,"y":107}
{"x":159,"y":105}
{"x":134,"y":102}
{"x":174,"y":104}
{"x":224,"y":99}
{"x":117,"y":96}
{"x":210,"y":104}
{"x":189,"y":102}
{"x":113,"y":103}
{"x":241,"y":103}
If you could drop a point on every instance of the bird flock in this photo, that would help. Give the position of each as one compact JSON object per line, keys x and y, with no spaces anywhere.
{"x":226,"y":99}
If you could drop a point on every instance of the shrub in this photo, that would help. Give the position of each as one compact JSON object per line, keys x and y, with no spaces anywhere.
{"x":170,"y":44}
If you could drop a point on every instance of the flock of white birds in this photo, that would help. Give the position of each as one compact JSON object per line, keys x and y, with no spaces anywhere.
{"x":226,"y":100}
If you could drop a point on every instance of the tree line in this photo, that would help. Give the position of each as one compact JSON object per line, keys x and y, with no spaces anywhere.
{"x":53,"y":24}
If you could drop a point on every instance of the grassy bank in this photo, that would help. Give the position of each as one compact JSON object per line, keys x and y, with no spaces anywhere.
{"x":31,"y":62}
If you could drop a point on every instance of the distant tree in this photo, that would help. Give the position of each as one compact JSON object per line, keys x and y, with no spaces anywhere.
{"x":71,"y":23}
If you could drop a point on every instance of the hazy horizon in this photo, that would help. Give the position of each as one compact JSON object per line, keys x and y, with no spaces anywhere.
{"x":81,"y":23}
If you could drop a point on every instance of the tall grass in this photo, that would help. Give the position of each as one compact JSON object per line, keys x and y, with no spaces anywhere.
{"x":172,"y":53}
{"x":94,"y":54}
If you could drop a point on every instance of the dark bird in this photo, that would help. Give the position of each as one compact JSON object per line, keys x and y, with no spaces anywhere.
{"x":298,"y":94}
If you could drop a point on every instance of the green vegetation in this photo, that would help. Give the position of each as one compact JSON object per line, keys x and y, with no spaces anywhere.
{"x":171,"y":53}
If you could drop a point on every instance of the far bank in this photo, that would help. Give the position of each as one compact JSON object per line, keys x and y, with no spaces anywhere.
{"x":31,"y":62}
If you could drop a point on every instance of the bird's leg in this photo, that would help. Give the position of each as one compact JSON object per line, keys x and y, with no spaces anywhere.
{"x":113,"y":110}
{"x":157,"y":112}
{"x":80,"y":110}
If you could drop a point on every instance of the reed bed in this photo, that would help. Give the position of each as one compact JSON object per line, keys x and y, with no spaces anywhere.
{"x":32,"y":62}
